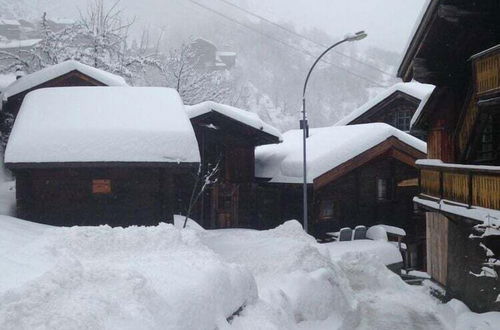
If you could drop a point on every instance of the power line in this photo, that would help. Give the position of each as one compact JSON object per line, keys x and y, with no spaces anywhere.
{"x":285,"y":43}
{"x":303,"y":36}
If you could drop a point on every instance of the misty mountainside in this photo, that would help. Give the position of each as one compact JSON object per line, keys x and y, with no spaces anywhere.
{"x":272,"y":59}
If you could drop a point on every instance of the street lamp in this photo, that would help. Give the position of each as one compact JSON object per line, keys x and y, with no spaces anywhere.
{"x":303,"y":123}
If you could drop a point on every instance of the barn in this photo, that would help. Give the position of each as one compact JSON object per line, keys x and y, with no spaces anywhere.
{"x":228,"y":136}
{"x":101,"y":155}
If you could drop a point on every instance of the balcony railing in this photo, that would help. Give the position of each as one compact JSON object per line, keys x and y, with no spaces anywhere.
{"x":487,"y":71}
{"x":470,"y":185}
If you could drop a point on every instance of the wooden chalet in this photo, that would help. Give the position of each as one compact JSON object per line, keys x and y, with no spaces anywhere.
{"x":101,"y":155}
{"x":456,"y":48}
{"x":358,"y":175}
{"x":395,"y":106}
{"x":65,"y":74}
{"x":228,"y":136}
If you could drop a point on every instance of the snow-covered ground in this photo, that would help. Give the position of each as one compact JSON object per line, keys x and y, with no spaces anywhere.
{"x":166,"y":277}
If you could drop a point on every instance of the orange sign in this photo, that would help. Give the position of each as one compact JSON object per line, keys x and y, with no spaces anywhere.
{"x":101,"y":186}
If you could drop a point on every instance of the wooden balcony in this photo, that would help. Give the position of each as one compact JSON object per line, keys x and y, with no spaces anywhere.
{"x":470,"y":185}
{"x":486,"y":67}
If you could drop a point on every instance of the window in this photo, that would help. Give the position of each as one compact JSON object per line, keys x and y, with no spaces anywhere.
{"x":489,"y":148}
{"x":327,"y":209}
{"x":402,"y":119}
{"x":382,"y":189}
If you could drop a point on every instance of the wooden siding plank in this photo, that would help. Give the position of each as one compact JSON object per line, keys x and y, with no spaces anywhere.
{"x":437,"y":246}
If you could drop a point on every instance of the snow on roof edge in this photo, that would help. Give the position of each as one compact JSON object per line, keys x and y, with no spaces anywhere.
{"x":416,"y":26}
{"x":483,"y":215}
{"x":421,"y":106}
{"x":39,"y":77}
{"x":246,"y":117}
{"x":413,"y":88}
{"x":282,"y":163}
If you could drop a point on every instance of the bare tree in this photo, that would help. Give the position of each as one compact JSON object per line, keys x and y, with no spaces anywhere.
{"x":180,"y":69}
{"x":204,"y":179}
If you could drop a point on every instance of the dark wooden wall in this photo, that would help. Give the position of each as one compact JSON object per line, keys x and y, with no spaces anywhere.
{"x":231,"y":201}
{"x":355,"y":197}
{"x":66,"y":197}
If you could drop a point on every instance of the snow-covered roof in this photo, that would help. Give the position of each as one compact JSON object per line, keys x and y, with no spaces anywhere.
{"x":10,"y":44}
{"x":421,"y":106}
{"x":6,"y":79}
{"x":246,"y":117}
{"x":63,"y":21}
{"x":102,"y":124}
{"x":415,"y":89}
{"x":327,"y":148}
{"x":4,"y":21}
{"x":37,"y":78}
{"x":224,"y":53}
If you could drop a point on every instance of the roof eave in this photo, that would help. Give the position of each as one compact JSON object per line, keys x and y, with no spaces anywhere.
{"x":97,"y":164}
{"x":404,"y":71}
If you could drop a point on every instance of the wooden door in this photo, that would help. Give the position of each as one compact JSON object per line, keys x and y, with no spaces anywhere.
{"x":225,"y":200}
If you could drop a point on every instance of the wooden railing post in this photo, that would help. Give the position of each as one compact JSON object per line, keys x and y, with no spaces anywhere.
{"x":470,"y":177}
{"x":441,"y":188}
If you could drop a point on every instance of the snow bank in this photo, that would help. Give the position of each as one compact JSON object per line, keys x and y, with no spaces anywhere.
{"x":7,"y":197}
{"x":115,"y":278}
{"x":415,"y":89}
{"x":466,"y":320}
{"x":384,"y":251}
{"x":302,"y":286}
{"x":39,"y":77}
{"x":327,"y":148}
{"x":165,"y":278}
{"x":246,"y":117}
{"x":102,"y":124}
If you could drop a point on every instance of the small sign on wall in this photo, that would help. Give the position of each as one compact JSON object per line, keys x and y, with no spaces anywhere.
{"x":101,"y":186}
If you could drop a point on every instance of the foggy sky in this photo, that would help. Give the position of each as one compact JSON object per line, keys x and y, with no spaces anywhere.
{"x":388,"y":22}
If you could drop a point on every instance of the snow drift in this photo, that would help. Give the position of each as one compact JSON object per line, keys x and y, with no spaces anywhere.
{"x":115,"y":278}
{"x":167,"y":278}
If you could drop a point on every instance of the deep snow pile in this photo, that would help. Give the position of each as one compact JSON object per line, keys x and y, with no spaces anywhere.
{"x":114,"y":278}
{"x":301,"y":288}
{"x":166,"y":278}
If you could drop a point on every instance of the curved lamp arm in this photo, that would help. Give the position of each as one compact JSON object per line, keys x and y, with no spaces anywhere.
{"x":350,"y":37}
{"x":316,"y":62}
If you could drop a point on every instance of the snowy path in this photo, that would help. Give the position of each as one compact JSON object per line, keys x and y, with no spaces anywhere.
{"x":166,"y":278}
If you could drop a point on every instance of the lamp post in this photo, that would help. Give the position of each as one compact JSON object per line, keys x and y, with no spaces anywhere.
{"x":303,"y":123}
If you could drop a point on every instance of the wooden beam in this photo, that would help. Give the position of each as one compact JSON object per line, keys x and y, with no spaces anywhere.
{"x":386,"y":148}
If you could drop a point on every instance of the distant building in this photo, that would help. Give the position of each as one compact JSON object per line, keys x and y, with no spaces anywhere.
{"x":208,"y":57}
{"x":10,"y":29}
{"x":96,"y":155}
